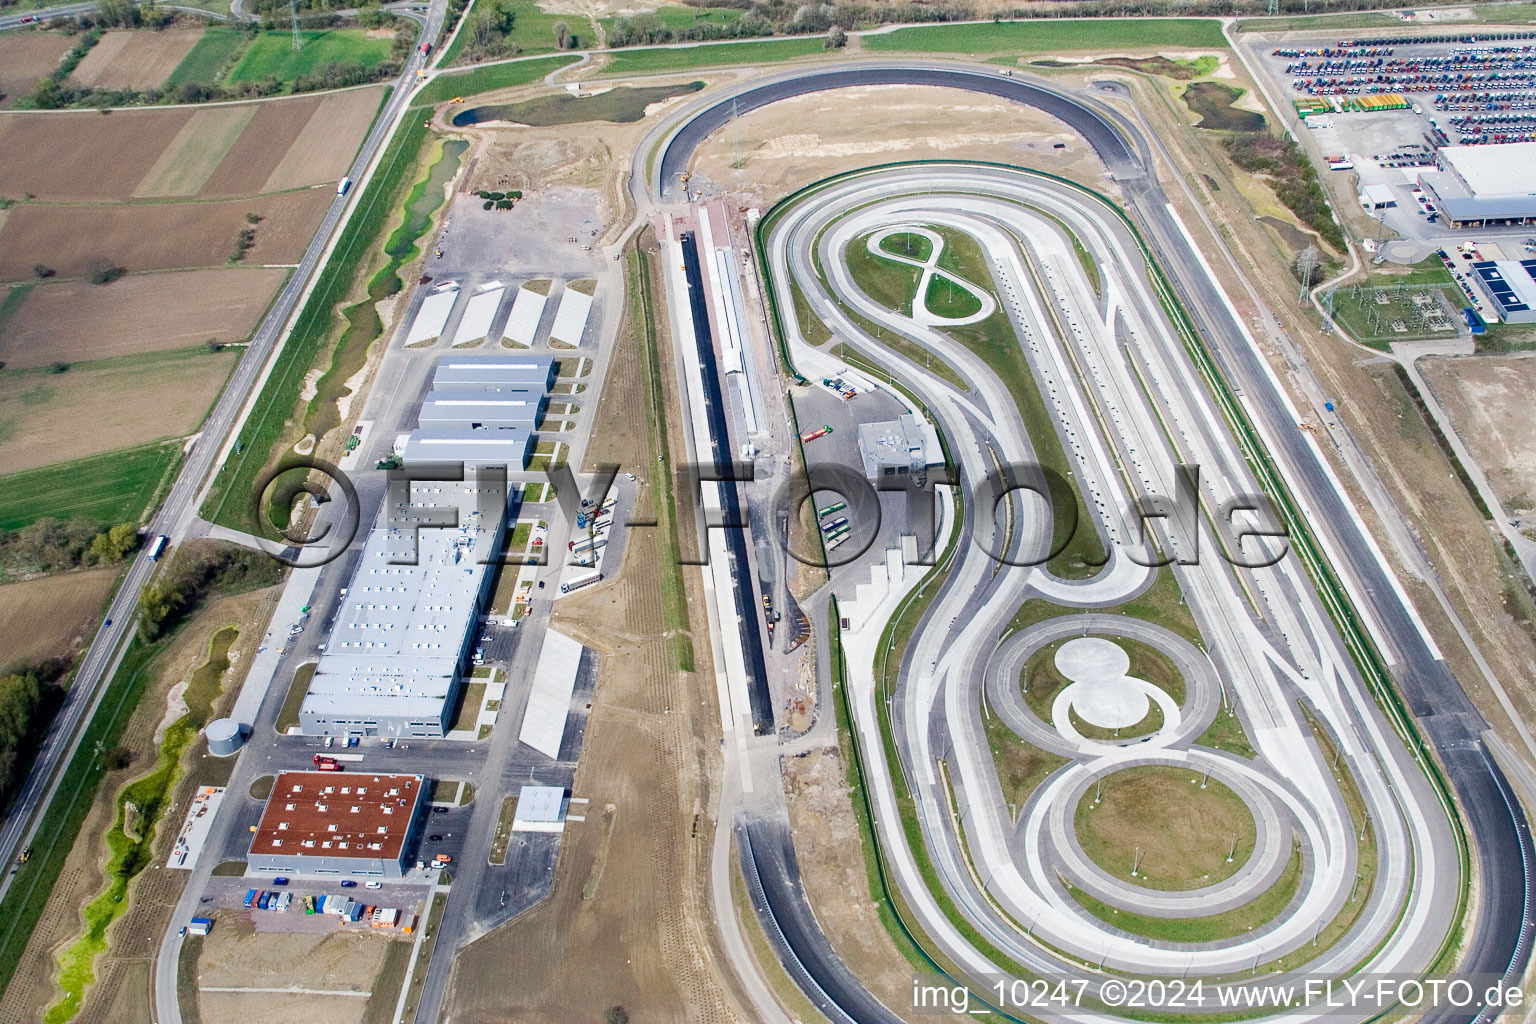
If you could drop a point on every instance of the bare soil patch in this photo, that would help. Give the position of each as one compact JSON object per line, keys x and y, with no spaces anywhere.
{"x":26,"y":57}
{"x":195,"y":153}
{"x":1489,"y":401}
{"x":74,"y":320}
{"x":52,"y":615}
{"x":135,"y":60}
{"x":324,"y":147}
{"x":61,"y":156}
{"x":831,"y":857}
{"x":771,"y":152}
{"x":261,"y":146}
{"x":157,"y":236}
{"x":47,"y":418}
{"x":652,"y":753}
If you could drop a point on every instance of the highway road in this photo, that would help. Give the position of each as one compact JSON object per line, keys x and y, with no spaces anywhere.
{"x":180,"y":508}
{"x":1501,"y":840}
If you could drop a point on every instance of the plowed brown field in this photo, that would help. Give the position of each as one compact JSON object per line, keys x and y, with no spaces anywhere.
{"x":50,"y":155}
{"x":25,"y":57}
{"x":157,"y":236}
{"x":135,"y":60}
{"x":74,"y":321}
{"x":48,"y":617}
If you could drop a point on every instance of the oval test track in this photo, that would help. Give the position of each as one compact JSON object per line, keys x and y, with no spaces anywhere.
{"x":1499,"y":943}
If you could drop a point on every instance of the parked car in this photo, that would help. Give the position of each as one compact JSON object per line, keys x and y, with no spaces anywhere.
{"x":439,"y":810}
{"x":434,"y":838}
{"x":347,"y":883}
{"x":373,"y":885}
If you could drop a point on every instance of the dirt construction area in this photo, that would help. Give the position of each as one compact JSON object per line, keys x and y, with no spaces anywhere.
{"x":26,"y":57}
{"x":135,"y":60}
{"x":770,"y":152}
{"x":242,"y":974}
{"x":628,"y":923}
{"x":51,"y":616}
{"x":74,"y":320}
{"x":75,"y":240}
{"x":1489,"y":402}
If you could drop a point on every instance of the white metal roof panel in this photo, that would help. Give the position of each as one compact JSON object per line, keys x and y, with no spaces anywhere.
{"x":478,"y":314}
{"x":432,"y":317}
{"x":554,"y":681}
{"x":527,"y":311}
{"x":571,"y":317}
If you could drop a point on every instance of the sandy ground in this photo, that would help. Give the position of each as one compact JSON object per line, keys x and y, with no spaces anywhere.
{"x":1489,"y":401}
{"x":831,"y":860}
{"x":769,"y":153}
{"x":647,"y":921}
{"x":51,"y":615}
{"x":236,"y":956}
{"x":122,"y":990}
{"x":47,"y":417}
{"x":135,"y":60}
{"x":25,"y":57}
{"x":76,"y":320}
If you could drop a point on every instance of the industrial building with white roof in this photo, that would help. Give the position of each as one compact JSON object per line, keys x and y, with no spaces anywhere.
{"x":1480,"y":185}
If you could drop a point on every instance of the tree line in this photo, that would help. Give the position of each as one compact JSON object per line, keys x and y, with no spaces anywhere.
{"x":197,"y":570}
{"x":52,"y":545}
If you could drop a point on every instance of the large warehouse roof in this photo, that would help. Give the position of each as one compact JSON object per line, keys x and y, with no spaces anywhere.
{"x":1493,"y":171}
{"x":338,"y":814}
{"x":468,"y":407}
{"x":494,"y":369}
{"x":490,"y":446}
{"x":399,"y":635}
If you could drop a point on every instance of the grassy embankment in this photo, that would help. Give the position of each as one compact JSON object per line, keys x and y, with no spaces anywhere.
{"x":1053,"y":35}
{"x":639,"y":62}
{"x":130,"y":841}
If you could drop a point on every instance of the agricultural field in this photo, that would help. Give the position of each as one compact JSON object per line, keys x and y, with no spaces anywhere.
{"x":25,"y":57}
{"x":184,"y":152}
{"x":114,"y":487}
{"x":47,"y":418}
{"x":51,"y":616}
{"x":1054,"y":35}
{"x":135,"y":60}
{"x":75,"y":240}
{"x":272,"y":54}
{"x":207,"y":61}
{"x":72,"y":321}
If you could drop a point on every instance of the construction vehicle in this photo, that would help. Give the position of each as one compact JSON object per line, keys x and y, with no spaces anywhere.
{"x":26,"y":855}
{"x":457,"y":99}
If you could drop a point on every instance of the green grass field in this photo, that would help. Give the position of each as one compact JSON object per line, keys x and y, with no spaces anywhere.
{"x":486,"y":79}
{"x":1053,"y":35}
{"x":631,"y":62}
{"x":209,"y":57}
{"x":272,"y":53}
{"x":114,"y":487}
{"x":533,"y":30}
